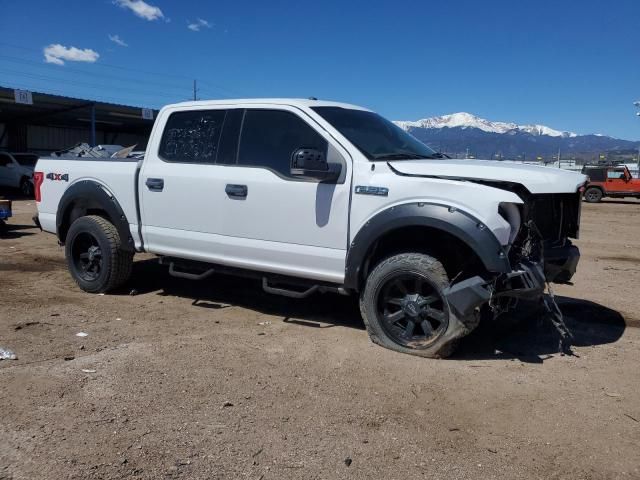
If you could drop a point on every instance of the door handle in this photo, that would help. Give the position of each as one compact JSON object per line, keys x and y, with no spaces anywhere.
{"x":155,"y":184}
{"x":237,"y":191}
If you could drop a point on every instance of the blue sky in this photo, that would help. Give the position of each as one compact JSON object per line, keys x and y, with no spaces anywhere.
{"x":566,"y":64}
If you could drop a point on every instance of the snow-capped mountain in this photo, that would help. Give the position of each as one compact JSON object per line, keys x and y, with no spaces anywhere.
{"x":467,"y":120}
{"x":466,"y":134}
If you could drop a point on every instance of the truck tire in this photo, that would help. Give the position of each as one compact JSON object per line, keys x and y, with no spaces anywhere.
{"x":404,"y":308}
{"x":94,"y":255}
{"x":593,"y":195}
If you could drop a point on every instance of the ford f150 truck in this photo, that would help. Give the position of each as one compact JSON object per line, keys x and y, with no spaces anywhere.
{"x":314,"y":196}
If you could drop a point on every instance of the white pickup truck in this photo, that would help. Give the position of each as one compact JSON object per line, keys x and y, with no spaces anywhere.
{"x":314,"y":196}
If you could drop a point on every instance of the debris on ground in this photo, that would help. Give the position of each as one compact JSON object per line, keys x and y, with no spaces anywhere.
{"x":267,"y":322}
{"x":88,"y":370}
{"x":348,"y":461}
{"x":69,"y":358}
{"x":6,"y":354}
{"x":557,"y":320}
{"x":227,"y":404}
{"x":82,"y":334}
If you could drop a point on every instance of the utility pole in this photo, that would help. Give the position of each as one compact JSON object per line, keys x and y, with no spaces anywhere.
{"x":637,"y":104}
{"x":195,"y":91}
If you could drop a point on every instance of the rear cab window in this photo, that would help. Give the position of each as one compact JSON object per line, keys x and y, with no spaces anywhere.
{"x":192,"y":136}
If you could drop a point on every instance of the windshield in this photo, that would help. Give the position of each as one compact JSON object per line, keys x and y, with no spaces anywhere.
{"x":26,"y":160}
{"x":376,"y":137}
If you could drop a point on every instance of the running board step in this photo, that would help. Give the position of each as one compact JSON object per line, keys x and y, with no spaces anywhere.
{"x":189,"y":276}
{"x":287,"y":293}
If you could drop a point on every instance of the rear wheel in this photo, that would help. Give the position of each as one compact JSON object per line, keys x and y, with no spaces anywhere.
{"x":95,"y":256}
{"x":404,"y":307}
{"x":593,"y":195}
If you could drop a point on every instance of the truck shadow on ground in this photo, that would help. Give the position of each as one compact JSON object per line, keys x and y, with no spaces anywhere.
{"x":527,"y":335}
{"x":222,"y":291}
{"x":523,"y":334}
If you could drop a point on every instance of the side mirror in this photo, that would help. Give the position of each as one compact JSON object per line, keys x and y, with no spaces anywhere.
{"x":311,"y":163}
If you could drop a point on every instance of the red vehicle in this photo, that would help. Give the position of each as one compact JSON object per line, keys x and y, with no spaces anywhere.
{"x":610,"y":181}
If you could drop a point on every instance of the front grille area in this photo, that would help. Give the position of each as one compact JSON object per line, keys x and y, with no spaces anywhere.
{"x":556,"y":215}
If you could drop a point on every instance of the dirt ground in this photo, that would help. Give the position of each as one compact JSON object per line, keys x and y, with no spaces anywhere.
{"x":219,"y":380}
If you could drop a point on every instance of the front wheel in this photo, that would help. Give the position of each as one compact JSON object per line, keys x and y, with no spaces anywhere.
{"x":95,"y":256}
{"x":593,"y":195}
{"x":404,"y":307}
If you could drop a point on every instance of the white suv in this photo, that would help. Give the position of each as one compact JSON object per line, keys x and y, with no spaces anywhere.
{"x":315,"y":196}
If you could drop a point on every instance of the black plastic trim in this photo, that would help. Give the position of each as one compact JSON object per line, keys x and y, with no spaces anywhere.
{"x":460,"y":224}
{"x":90,"y":195}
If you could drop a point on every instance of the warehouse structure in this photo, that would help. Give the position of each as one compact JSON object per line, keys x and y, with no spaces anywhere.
{"x":42,"y":123}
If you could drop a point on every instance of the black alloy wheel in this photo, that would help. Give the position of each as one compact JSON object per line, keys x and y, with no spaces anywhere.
{"x":411,"y":310}
{"x":87,"y":256}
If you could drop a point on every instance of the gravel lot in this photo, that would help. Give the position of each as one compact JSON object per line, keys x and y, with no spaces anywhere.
{"x":219,"y":380}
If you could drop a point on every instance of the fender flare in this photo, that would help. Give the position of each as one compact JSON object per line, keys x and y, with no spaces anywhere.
{"x":89,"y":195}
{"x":454,"y":221}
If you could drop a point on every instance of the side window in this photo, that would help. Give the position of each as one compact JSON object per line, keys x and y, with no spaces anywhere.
{"x":615,"y":174}
{"x":192,"y":137}
{"x":4,"y":160}
{"x":270,"y":137}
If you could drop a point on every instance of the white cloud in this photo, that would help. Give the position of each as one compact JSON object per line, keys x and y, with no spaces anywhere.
{"x":117,"y":40}
{"x":56,"y":53}
{"x":198,"y":24}
{"x":141,"y":8}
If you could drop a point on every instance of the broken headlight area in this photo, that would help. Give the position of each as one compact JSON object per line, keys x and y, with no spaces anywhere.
{"x":548,"y":223}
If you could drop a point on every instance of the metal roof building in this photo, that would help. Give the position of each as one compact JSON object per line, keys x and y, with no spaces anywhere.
{"x":42,"y":123}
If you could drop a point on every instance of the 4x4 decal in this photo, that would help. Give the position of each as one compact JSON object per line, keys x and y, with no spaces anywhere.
{"x":59,"y":177}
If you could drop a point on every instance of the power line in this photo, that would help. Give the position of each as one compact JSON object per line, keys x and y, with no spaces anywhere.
{"x":89,"y":85}
{"x":107,"y":65}
{"x":84,"y":72}
{"x":148,"y":99}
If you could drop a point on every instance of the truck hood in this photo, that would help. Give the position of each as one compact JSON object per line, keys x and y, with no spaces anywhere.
{"x":534,"y":178}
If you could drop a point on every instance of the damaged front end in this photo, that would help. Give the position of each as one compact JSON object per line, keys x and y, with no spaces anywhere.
{"x":541,"y":253}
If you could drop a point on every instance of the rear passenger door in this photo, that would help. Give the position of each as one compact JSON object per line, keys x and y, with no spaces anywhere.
{"x":180,"y":185}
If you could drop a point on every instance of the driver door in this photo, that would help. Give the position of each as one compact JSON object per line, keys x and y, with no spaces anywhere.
{"x":284,"y":223}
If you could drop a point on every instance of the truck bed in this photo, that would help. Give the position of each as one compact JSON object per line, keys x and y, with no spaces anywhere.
{"x":118,"y":176}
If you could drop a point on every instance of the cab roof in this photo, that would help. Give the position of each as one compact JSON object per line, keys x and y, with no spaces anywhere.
{"x":294,"y":102}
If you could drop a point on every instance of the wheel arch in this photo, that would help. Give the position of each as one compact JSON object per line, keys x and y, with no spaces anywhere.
{"x":406,"y":226}
{"x":88,"y":197}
